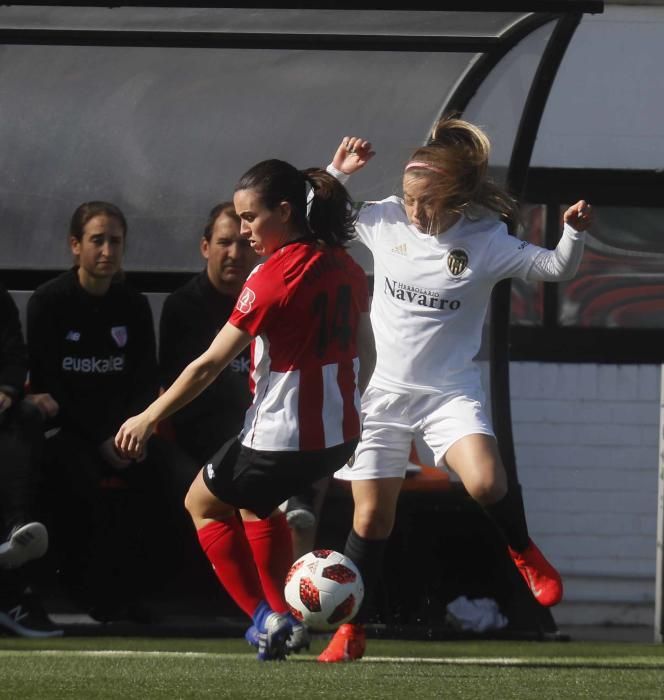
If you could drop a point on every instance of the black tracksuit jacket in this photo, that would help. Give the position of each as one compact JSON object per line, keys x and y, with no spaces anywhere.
{"x":190,"y":319}
{"x":95,"y":355}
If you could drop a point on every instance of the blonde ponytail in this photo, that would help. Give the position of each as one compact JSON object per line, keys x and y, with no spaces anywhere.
{"x":458,"y":154}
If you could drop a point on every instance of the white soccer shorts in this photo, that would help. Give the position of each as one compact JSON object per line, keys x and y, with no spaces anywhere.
{"x":390,"y":423}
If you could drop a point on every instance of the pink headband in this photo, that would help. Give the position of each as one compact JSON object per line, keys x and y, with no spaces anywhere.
{"x":426,"y":166}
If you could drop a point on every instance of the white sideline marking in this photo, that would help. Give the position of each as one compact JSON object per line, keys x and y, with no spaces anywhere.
{"x":445,"y":661}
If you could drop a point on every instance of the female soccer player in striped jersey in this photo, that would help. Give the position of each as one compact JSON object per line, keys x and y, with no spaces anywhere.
{"x":438,"y":252}
{"x":306,"y":311}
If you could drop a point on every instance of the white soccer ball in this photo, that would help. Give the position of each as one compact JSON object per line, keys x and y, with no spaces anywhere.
{"x":324,"y":589}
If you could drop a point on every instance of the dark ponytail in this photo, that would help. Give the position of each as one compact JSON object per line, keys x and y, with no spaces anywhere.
{"x":331,"y":218}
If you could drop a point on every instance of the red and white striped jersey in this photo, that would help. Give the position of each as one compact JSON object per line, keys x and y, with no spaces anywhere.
{"x":302,"y":306}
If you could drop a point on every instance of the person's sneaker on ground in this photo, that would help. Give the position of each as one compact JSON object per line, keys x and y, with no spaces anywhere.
{"x":542,"y":579}
{"x":25,"y":542}
{"x":24,"y":616}
{"x":272,"y":638}
{"x":299,"y":637}
{"x":300,"y":514}
{"x":348,"y":644}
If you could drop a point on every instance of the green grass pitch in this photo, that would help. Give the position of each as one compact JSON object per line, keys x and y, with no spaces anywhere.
{"x":191,"y":668}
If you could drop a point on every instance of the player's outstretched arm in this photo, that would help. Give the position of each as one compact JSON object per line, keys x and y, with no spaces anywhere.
{"x":352,"y":155}
{"x":197,"y":376}
{"x":563,"y":262}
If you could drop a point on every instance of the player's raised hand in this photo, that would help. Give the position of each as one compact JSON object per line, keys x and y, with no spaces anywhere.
{"x":579,"y":216}
{"x":133,"y":436}
{"x":352,"y":155}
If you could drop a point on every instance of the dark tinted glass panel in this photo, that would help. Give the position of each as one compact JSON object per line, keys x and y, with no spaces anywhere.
{"x":621,"y":280}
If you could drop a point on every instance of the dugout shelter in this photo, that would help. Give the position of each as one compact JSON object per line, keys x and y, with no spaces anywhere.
{"x":158,"y":107}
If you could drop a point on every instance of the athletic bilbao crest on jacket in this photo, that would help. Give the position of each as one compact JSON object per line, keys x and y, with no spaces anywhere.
{"x":120,"y":336}
{"x":457,"y":261}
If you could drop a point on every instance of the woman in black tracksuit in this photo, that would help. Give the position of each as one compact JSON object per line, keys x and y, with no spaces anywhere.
{"x":92,"y":349}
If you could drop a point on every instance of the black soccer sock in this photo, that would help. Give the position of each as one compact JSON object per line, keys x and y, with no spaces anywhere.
{"x":367,"y":555}
{"x":508,"y":513}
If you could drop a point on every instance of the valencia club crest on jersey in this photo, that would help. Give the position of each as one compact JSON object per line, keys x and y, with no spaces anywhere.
{"x":457,"y":261}
{"x":245,"y":300}
{"x":119,"y":335}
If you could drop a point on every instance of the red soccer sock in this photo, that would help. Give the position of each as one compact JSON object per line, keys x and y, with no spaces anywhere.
{"x":272,"y":545}
{"x":225,"y":544}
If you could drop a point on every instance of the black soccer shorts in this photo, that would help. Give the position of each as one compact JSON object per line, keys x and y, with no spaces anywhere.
{"x":260,"y":480}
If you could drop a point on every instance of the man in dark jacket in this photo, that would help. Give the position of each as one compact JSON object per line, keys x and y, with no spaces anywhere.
{"x":190,"y":319}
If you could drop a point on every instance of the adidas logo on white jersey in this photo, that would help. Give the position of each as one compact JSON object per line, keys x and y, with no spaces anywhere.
{"x":400,"y":249}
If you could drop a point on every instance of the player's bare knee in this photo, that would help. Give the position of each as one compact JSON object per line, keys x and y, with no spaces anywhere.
{"x":373,"y":523}
{"x":487,"y":490}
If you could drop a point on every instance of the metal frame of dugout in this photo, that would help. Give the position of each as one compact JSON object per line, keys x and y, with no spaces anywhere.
{"x":488,"y":50}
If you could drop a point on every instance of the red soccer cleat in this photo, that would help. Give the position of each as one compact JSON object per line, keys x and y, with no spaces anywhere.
{"x":348,"y":644}
{"x":542,"y":579}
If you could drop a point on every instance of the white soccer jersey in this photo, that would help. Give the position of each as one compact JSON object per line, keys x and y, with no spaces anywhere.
{"x":431,"y":294}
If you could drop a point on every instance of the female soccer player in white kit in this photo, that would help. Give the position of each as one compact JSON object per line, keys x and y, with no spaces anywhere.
{"x":438,"y":252}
